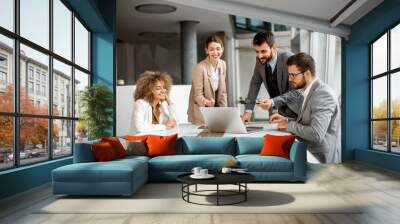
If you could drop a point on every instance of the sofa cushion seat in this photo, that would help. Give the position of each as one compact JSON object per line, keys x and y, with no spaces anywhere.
{"x":191,"y":145}
{"x":112,"y":171}
{"x":131,"y":158}
{"x":118,"y":177}
{"x":257,"y":163}
{"x":184,"y":163}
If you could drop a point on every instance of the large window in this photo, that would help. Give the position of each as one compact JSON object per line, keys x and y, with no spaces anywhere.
{"x":44,"y":64}
{"x":385,"y":94}
{"x":254,"y":25}
{"x":7,"y":14}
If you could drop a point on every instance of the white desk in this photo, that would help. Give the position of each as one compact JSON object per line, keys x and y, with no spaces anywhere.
{"x":192,"y":130}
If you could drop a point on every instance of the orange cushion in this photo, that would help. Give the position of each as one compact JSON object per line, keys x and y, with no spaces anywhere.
{"x":103,"y":151}
{"x":136,"y":137}
{"x":277,"y":145}
{"x":116,"y":145}
{"x":161,"y":145}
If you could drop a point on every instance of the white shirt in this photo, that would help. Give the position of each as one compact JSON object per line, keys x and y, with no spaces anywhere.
{"x":273,"y":62}
{"x":142,"y":116}
{"x":306,"y":92}
{"x":215,"y":79}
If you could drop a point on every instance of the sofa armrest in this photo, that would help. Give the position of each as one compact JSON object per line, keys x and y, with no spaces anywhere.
{"x":83,"y":152}
{"x":298,"y":155}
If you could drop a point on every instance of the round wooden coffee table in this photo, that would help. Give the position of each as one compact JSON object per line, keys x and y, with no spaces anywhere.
{"x":238,"y":179}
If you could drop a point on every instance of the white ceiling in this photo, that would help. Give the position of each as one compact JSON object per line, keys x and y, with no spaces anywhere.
{"x":317,"y":9}
{"x":320,"y":9}
{"x":131,"y":22}
{"x":213,"y":15}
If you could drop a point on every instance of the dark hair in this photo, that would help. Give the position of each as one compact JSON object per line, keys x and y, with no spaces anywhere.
{"x":264,"y":37}
{"x":303,"y":61}
{"x":215,"y":39}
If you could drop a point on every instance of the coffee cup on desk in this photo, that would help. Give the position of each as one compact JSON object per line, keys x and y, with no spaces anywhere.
{"x":226,"y":170}
{"x":203,"y":172}
{"x":196,"y":171}
{"x":274,"y":126}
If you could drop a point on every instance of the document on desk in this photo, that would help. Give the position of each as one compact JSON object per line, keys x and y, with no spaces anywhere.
{"x":262,"y":125}
{"x":267,"y":128}
{"x":271,"y":126}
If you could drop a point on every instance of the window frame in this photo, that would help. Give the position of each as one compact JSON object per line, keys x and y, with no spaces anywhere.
{"x":266,"y":26}
{"x":16,"y":114}
{"x":388,"y":74}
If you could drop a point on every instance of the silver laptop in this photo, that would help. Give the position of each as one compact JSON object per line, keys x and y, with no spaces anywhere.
{"x":226,"y":120}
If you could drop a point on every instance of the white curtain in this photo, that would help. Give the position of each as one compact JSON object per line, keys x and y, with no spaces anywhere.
{"x":326,"y":51}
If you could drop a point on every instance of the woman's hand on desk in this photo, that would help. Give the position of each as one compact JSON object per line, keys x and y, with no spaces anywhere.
{"x":170,"y":123}
{"x":209,"y":103}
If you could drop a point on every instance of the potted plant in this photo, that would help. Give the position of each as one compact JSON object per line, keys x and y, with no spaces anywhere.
{"x":96,"y":102}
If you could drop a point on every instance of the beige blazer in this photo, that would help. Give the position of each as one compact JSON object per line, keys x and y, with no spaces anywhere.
{"x":202,"y":89}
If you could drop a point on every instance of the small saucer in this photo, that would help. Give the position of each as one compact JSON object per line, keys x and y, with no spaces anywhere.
{"x":208,"y":176}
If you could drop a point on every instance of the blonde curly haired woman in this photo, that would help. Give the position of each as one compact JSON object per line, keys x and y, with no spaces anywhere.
{"x":153,"y":109}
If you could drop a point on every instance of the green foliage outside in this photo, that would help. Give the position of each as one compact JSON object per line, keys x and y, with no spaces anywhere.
{"x":96,"y":102}
{"x":380,"y":127}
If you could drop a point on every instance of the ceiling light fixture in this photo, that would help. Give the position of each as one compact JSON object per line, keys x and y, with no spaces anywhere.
{"x":155,"y":8}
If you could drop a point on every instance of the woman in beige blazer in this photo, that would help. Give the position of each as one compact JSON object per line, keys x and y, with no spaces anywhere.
{"x":208,"y":81}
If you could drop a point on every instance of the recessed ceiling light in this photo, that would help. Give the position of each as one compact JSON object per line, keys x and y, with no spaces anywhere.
{"x":155,"y":8}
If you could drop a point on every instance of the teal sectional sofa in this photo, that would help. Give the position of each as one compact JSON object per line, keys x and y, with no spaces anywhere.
{"x":125,"y":176}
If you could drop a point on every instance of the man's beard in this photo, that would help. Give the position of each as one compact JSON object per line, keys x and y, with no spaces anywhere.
{"x":300,"y":86}
{"x":267,"y":59}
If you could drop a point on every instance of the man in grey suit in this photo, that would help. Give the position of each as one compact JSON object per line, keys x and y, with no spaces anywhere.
{"x":319,"y":119}
{"x":270,"y":69}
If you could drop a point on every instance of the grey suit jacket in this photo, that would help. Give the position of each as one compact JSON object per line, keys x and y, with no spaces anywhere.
{"x":258,"y":78}
{"x":318,"y":122}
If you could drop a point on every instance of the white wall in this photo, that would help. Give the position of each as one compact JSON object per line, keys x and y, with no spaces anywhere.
{"x":179,"y":95}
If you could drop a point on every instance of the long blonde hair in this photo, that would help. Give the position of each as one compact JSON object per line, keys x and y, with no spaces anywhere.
{"x":147,"y":81}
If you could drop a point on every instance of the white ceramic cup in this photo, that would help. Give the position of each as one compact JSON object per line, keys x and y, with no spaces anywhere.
{"x":203,"y":172}
{"x":226,"y":170}
{"x":196,"y":170}
{"x":274,"y":125}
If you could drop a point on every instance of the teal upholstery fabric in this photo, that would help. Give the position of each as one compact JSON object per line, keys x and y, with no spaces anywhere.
{"x":119,"y":177}
{"x":83,"y":152}
{"x":184,"y":163}
{"x":257,"y":163}
{"x":206,"y":145}
{"x":126,"y":175}
{"x":298,"y":155}
{"x":249,"y":145}
{"x":95,"y":172}
{"x":128,"y":159}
